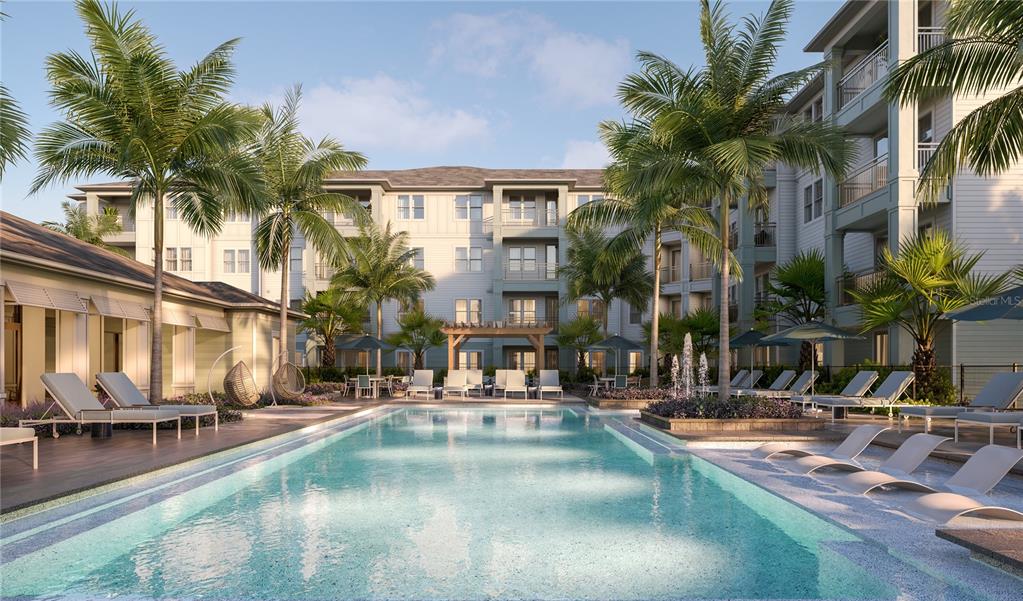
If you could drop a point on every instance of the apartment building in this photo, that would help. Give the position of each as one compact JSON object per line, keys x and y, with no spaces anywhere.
{"x":492,"y":238}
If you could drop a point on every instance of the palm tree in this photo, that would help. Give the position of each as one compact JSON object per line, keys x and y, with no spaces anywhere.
{"x":701,"y":324}
{"x":797,"y":295}
{"x":932,"y":275}
{"x":419,"y":333}
{"x":591,"y":270}
{"x":712,"y":131}
{"x":78,"y":224}
{"x":332,"y":313}
{"x":579,"y":334}
{"x":379,"y":267}
{"x":293,"y":167}
{"x":14,"y":132}
{"x":130,"y":113}
{"x":979,"y":57}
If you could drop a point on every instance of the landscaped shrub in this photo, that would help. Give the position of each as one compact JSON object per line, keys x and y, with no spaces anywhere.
{"x":632,"y":394}
{"x":12,"y":413}
{"x":226,"y":412}
{"x":747,"y":407}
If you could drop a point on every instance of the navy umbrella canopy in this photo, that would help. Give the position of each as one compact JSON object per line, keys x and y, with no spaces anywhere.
{"x":754,"y":338}
{"x":1007,"y":305}
{"x":814,"y":332}
{"x":365,"y":343}
{"x":617,"y":344}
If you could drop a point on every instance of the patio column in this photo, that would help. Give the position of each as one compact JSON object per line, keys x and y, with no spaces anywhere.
{"x":451,"y":352}
{"x":537,"y":342}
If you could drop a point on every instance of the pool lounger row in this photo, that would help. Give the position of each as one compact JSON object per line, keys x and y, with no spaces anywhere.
{"x":988,"y":408}
{"x":78,"y":406}
{"x":955,"y":498}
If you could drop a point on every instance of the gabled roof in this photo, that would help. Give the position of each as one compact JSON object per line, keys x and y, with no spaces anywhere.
{"x":26,"y":242}
{"x":453,"y":177}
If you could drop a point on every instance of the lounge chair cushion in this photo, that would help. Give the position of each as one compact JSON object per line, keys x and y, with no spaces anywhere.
{"x":121,"y":389}
{"x":129,"y":415}
{"x":16,"y":434}
{"x":70,"y":392}
{"x":1000,"y":391}
{"x":992,"y":417}
{"x":934,"y":411}
{"x":188,"y":409}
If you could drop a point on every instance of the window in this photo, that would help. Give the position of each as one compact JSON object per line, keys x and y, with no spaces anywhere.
{"x":590,"y":308}
{"x":185,"y":255}
{"x":411,"y":207}
{"x":524,"y":360}
{"x":243,"y":260}
{"x":595,"y":361}
{"x":468,"y":310}
{"x":818,"y":198}
{"x":635,"y":361}
{"x":522,"y":310}
{"x":229,"y":264}
{"x":925,"y":128}
{"x":469,"y":259}
{"x":170,"y":211}
{"x":635,"y":315}
{"x":296,"y":260}
{"x":521,"y":208}
{"x":470,"y":359}
{"x":676,"y":308}
{"x":552,"y":262}
{"x":808,"y":204}
{"x":170,"y":259}
{"x":818,"y":109}
{"x":177,"y":259}
{"x":419,"y":257}
{"x":881,"y":145}
{"x":551,"y":217}
{"x":881,"y":348}
{"x":583,"y":199}
{"x":469,"y":207}
{"x":522,"y":259}
{"x":50,"y":340}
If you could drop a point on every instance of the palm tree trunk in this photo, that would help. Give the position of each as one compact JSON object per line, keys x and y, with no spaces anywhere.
{"x":380,"y":335}
{"x":282,"y":355}
{"x":724,"y":376}
{"x":923,"y":369}
{"x":156,"y":353}
{"x":329,"y":354}
{"x":655,"y":318}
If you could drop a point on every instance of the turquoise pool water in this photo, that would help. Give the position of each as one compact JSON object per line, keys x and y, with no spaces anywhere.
{"x":452,"y":504}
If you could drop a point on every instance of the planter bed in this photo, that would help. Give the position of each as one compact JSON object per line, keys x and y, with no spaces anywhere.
{"x":619,"y":403}
{"x":699,"y":425}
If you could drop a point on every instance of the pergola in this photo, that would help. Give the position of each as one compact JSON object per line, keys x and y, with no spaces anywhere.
{"x":460,"y":332}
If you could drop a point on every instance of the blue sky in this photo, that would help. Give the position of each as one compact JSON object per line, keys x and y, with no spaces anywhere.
{"x":409,"y":84}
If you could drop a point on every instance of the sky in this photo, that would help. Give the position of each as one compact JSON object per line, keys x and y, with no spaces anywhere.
{"x":409,"y":84}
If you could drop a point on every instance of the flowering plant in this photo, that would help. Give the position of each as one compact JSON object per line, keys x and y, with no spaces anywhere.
{"x":747,"y":407}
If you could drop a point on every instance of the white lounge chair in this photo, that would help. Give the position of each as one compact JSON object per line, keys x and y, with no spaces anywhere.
{"x":902,"y":462}
{"x":500,"y":380}
{"x":975,"y":478}
{"x":992,"y":419}
{"x":857,"y":387}
{"x":516,"y":382}
{"x":474,"y":380}
{"x":457,"y":382}
{"x":1000,"y":392}
{"x":885,"y":397}
{"x":854,"y":444}
{"x":80,"y":407}
{"x":779,"y":384}
{"x":550,"y":382}
{"x":19,"y":436}
{"x":738,"y":381}
{"x":422,"y":382}
{"x":123,"y":392}
{"x":800,"y":387}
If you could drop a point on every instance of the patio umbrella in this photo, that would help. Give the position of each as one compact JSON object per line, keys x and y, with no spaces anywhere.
{"x":365,"y":343}
{"x":754,"y":338}
{"x":617,"y":344}
{"x":1007,"y":305}
{"x":813,"y":332}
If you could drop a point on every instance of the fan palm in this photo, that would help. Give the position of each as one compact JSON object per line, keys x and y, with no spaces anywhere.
{"x":379,"y":267}
{"x":92,"y":229}
{"x":579,"y":334}
{"x":419,"y":333}
{"x":14,"y":132}
{"x":292,"y":168}
{"x":932,"y":275}
{"x":711,"y":132}
{"x":797,"y":295}
{"x":981,"y":56}
{"x":591,"y":270}
{"x":332,"y":313}
{"x":131,"y":114}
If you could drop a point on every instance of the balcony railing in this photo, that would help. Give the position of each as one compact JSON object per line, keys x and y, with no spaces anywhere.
{"x":531,"y":271}
{"x":929,"y":37}
{"x":324,"y":271}
{"x":854,"y":282}
{"x":700,"y":271}
{"x":924,"y":152}
{"x":529,"y":217}
{"x":733,"y":239}
{"x":863,"y":75}
{"x":671,"y":274}
{"x":764,"y":234}
{"x":867,"y":179}
{"x":762,"y":298}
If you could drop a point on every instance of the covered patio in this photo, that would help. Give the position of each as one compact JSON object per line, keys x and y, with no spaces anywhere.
{"x":534,"y":332}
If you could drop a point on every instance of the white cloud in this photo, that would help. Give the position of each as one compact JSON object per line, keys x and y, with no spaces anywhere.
{"x":585,"y":154}
{"x":572,"y":67}
{"x":383,"y":112}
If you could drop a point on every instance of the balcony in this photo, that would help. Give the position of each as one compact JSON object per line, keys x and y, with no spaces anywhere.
{"x":864,"y":181}
{"x":764,"y":235}
{"x":700,"y":271}
{"x":530,"y":271}
{"x":853,"y":282}
{"x":324,"y":271}
{"x":862,"y":75}
{"x":526,"y":217}
{"x":929,"y":37}
{"x":671,"y":274}
{"x":924,"y":152}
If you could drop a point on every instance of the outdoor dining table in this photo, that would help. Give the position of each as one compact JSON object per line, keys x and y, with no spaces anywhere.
{"x":607,"y":382}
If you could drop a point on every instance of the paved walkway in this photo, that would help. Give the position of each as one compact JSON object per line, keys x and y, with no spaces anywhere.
{"x":73,"y":463}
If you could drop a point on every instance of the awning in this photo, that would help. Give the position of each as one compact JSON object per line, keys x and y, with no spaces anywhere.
{"x":47,"y":298}
{"x":178,"y":318}
{"x":213,"y":322}
{"x":110,"y":307}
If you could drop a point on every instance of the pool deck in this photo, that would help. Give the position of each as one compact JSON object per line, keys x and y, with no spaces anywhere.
{"x":1002,"y":547}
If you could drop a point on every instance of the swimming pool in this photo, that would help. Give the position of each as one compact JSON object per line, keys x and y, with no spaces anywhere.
{"x":439,"y":504}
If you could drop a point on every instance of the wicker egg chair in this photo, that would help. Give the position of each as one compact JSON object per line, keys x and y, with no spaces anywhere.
{"x":288,"y":381}
{"x":240,"y":386}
